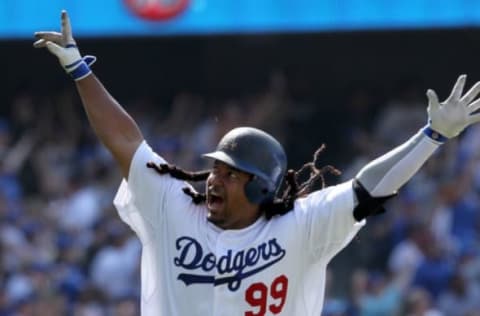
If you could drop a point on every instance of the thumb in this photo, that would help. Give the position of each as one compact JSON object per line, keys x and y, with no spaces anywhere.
{"x":432,"y":98}
{"x":54,"y":48}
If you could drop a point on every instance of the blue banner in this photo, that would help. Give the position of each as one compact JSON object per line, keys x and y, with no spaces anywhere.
{"x":107,"y":18}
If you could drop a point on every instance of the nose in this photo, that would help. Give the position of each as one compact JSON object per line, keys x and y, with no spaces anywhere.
{"x":214,"y":179}
{"x":214,"y":184}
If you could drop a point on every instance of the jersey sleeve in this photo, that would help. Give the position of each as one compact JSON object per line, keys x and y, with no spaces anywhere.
{"x":140,"y":199}
{"x":327,"y":216}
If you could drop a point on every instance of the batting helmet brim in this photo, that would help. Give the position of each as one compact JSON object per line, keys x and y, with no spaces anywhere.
{"x":223,"y":157}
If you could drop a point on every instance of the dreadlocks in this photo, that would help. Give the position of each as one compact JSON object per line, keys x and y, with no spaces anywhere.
{"x":278,"y":206}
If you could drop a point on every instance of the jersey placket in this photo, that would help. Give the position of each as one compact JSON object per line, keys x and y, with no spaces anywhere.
{"x":229,"y":290}
{"x":224,"y":255}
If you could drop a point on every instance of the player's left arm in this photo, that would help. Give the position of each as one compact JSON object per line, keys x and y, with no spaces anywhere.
{"x":381,"y":178}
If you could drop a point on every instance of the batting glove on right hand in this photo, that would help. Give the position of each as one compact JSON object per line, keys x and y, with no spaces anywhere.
{"x":452,"y":116}
{"x":64,"y":47}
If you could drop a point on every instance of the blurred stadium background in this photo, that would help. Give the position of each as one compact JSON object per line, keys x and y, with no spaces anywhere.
{"x":350,"y":74}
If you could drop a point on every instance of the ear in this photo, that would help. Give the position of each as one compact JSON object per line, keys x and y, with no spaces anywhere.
{"x":257,"y":191}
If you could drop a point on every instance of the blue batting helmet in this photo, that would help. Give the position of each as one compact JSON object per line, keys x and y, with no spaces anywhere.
{"x":257,"y":153}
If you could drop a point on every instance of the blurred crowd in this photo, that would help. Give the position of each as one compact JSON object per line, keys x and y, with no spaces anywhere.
{"x":64,"y":250}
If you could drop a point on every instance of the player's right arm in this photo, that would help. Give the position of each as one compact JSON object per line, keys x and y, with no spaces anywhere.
{"x":112,"y":124}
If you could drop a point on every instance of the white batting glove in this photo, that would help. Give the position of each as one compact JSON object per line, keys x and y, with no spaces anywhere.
{"x":64,"y":47}
{"x":451,"y":117}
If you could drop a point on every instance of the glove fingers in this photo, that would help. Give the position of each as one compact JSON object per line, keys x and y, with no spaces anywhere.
{"x":471,"y":94}
{"x":474,"y":106}
{"x":432,"y":98}
{"x":472,"y":119}
{"x":50,"y":36}
{"x":41,"y":43}
{"x":54,"y":48}
{"x":457,"y":89}
{"x":66,"y":27}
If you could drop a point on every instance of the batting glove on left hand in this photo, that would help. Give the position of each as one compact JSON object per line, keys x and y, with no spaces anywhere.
{"x":64,"y":47}
{"x":452,"y":116}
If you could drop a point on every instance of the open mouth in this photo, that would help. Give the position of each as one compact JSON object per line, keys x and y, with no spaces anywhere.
{"x":214,"y":201}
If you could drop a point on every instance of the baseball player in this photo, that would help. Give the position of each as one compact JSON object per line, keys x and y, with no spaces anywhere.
{"x":239,"y":250}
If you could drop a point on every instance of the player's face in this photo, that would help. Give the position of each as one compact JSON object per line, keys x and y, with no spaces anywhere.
{"x":227,"y":205}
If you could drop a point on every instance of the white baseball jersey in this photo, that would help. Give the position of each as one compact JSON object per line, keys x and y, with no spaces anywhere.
{"x":190,"y":267}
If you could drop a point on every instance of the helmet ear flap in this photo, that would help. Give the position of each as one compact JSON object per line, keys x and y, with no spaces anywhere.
{"x":257,"y":191}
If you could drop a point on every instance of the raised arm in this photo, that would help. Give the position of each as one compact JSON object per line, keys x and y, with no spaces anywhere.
{"x":112,"y":124}
{"x":386,"y":174}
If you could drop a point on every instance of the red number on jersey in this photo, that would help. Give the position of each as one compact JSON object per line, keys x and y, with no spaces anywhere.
{"x":278,"y":290}
{"x":257,"y":296}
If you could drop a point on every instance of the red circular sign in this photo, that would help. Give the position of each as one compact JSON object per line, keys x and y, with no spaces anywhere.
{"x":155,"y":10}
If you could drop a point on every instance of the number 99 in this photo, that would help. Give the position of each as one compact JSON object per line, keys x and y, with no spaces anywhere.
{"x":257,"y":296}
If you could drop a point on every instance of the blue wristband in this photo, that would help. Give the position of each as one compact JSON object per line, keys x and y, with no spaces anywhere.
{"x":81,"y":68}
{"x":81,"y":71}
{"x":436,"y":136}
